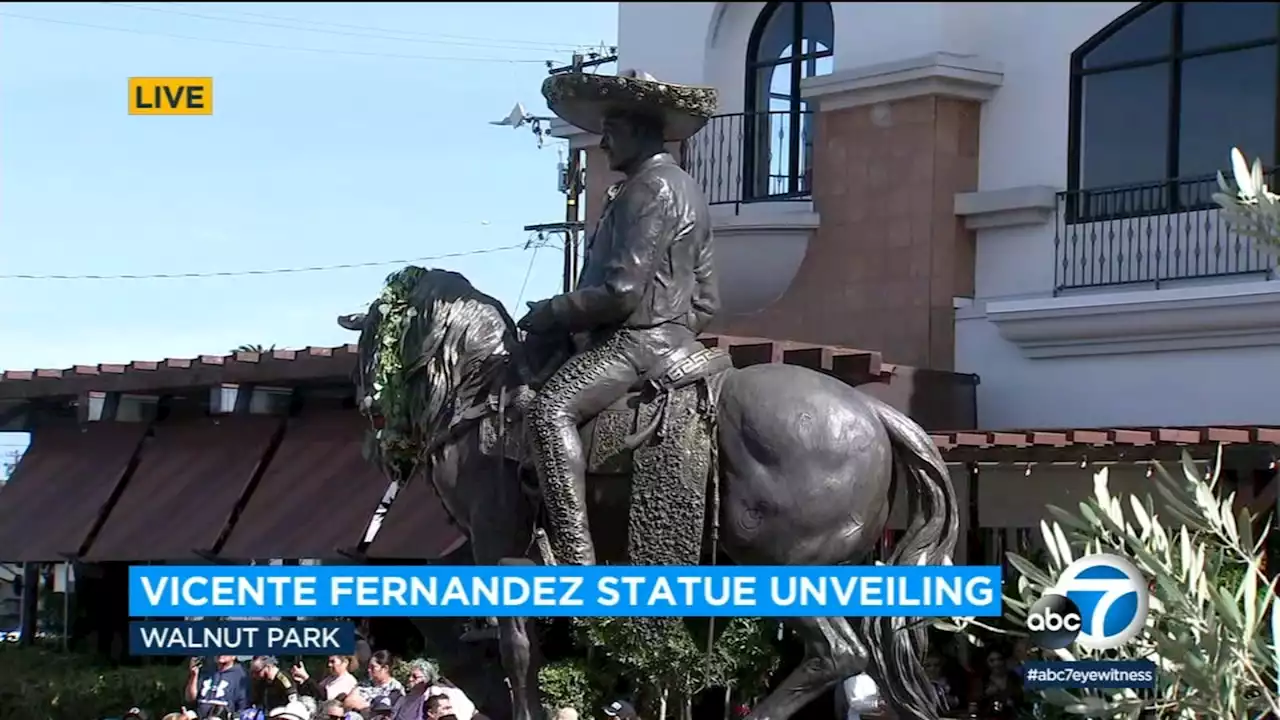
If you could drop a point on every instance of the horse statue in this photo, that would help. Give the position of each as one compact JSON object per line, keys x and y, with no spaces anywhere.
{"x":798,"y":468}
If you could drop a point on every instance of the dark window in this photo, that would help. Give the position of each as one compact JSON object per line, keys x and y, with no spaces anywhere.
{"x":791,"y":41}
{"x":1208,"y":25}
{"x":1125,"y":137}
{"x":1149,"y":37}
{"x":1228,"y":98}
{"x":1161,"y":96}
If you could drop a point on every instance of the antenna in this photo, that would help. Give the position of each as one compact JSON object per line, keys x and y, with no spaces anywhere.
{"x":514,"y":119}
{"x":519,"y":117}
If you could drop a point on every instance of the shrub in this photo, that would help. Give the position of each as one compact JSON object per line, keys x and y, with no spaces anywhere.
{"x":568,"y":683}
{"x":40,"y":684}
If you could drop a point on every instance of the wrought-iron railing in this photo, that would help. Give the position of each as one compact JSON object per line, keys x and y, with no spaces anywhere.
{"x":1150,"y":233}
{"x":753,"y":157}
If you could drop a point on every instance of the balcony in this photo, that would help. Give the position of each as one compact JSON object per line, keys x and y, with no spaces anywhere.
{"x":1151,"y":235}
{"x":1146,"y":268}
{"x":756,"y":171}
{"x":753,"y":157}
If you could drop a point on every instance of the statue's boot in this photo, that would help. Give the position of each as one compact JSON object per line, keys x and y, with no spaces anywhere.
{"x":562,"y":469}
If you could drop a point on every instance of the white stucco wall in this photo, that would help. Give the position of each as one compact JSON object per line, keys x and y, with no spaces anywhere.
{"x":1024,"y":143}
{"x":1198,"y":373}
{"x":706,"y":43}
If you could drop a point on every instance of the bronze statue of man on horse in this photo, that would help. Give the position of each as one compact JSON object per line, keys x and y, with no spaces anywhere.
{"x":647,"y":287}
{"x":636,"y":425}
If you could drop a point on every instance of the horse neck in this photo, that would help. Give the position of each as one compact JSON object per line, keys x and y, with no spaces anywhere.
{"x":497,"y":373}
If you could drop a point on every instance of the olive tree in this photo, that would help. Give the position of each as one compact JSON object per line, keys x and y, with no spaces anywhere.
{"x":1213,"y":620}
{"x":1248,"y":204}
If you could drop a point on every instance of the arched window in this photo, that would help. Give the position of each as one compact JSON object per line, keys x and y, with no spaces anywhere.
{"x":1159,"y":98}
{"x":791,"y":41}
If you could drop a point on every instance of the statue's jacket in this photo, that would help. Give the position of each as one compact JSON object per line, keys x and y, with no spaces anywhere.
{"x":649,"y":263}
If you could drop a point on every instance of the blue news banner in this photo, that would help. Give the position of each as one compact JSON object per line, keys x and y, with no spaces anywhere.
{"x":564,"y":591}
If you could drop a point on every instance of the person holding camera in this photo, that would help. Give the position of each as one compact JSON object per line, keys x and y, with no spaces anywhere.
{"x":219,"y":690}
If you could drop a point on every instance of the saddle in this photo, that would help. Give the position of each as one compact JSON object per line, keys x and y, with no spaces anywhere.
{"x":611,"y":437}
{"x":662,"y":436}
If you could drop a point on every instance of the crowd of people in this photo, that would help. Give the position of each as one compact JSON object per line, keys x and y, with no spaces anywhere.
{"x":989,"y":690}
{"x":224,"y":688}
{"x":362,"y":687}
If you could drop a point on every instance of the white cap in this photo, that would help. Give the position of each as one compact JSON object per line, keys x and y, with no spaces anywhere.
{"x":292,"y":711}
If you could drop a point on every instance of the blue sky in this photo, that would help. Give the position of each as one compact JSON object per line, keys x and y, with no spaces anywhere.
{"x":310,"y":158}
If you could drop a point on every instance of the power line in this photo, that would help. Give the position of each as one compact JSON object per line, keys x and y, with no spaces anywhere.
{"x":527,"y":272}
{"x":259,"y":23}
{"x":531,"y":43}
{"x":243,"y":43}
{"x":273,"y":271}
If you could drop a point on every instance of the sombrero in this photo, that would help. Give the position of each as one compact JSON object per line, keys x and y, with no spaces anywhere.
{"x":584,"y":100}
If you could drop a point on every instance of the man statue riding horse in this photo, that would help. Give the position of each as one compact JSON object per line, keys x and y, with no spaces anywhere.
{"x":647,"y":287}
{"x":770,"y":464}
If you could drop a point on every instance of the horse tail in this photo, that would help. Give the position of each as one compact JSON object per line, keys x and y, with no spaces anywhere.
{"x":896,"y":645}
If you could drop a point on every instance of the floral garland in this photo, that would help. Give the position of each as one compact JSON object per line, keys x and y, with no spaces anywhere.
{"x":390,"y":392}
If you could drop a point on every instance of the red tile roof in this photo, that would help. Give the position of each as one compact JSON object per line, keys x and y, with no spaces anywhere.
{"x":338,"y":362}
{"x":310,"y":363}
{"x":1104,"y":437}
{"x":1014,"y":445}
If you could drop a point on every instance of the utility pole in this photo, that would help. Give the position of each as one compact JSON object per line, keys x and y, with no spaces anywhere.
{"x":573,"y":181}
{"x":572,"y":178}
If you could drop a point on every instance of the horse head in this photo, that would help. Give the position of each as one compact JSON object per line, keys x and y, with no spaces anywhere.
{"x":429,"y":343}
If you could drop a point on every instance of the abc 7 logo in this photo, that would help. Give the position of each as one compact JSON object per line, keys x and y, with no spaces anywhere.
{"x":1114,"y":611}
{"x":1054,"y":622}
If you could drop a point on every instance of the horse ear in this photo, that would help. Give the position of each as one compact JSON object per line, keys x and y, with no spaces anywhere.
{"x":353,"y":322}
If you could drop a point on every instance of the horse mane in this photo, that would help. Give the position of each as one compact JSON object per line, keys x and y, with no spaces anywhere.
{"x":458,"y":345}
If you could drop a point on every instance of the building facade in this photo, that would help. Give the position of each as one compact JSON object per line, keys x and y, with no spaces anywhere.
{"x":1022,"y":191}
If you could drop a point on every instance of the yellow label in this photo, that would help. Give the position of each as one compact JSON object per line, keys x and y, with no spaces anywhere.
{"x":171,"y":96}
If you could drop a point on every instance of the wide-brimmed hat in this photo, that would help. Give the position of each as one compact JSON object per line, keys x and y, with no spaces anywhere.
{"x":585,"y":100}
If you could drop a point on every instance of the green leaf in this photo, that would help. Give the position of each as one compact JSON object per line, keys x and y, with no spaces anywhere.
{"x":1244,"y":525}
{"x":1174,"y":502}
{"x":1024,"y":566}
{"x":1066,"y":519}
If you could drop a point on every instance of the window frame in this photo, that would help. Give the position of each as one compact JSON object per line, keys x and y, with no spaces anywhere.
{"x":753,"y":111}
{"x":1171,"y":201}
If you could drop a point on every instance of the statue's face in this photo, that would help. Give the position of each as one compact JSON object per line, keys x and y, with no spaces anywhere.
{"x":621,"y":142}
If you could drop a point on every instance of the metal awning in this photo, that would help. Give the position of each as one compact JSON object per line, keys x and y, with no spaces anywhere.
{"x":416,"y":527}
{"x":60,"y":488}
{"x":317,"y":496}
{"x":181,"y":496}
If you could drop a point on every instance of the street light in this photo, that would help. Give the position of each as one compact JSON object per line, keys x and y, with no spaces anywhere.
{"x":519,"y":117}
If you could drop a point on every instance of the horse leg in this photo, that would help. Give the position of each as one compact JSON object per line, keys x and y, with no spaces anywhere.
{"x":832,"y":653}
{"x":516,"y":645}
{"x":502,"y":528}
